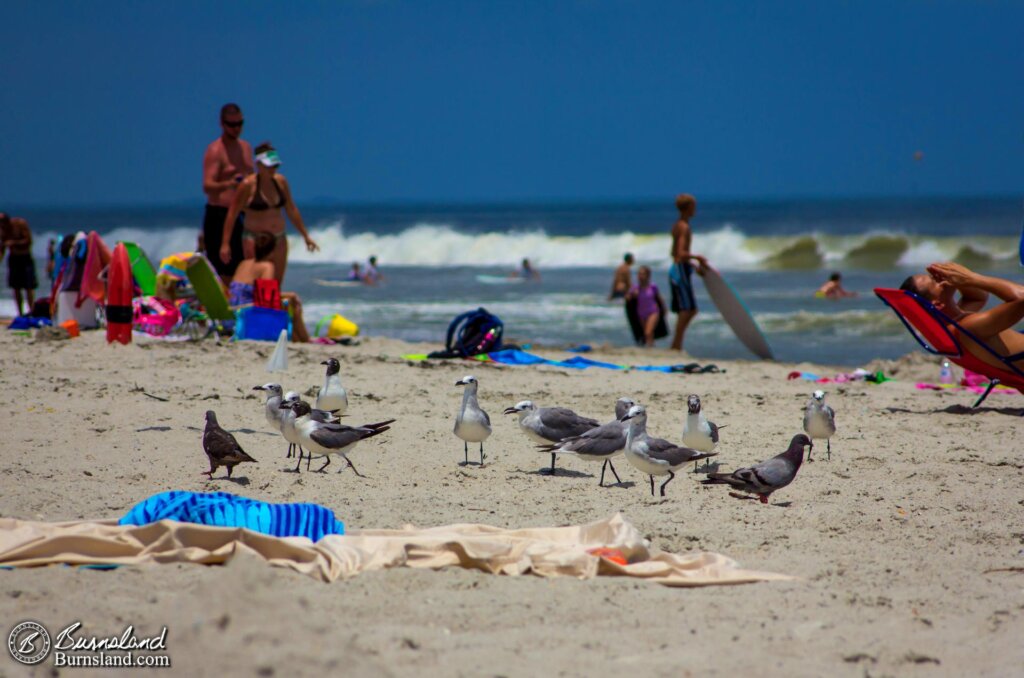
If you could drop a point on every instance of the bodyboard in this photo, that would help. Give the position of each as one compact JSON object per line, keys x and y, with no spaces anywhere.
{"x":498,"y":280}
{"x":735,"y":314}
{"x":142,"y":269}
{"x":328,"y":282}
{"x":208,"y":290}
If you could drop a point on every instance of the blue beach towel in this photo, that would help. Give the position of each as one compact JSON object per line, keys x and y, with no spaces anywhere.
{"x":221,"y":509}
{"x":512,"y":356}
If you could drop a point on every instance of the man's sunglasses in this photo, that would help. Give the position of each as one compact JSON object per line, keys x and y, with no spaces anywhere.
{"x":227,"y":123}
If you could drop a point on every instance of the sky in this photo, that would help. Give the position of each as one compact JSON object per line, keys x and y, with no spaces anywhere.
{"x":114,"y":102}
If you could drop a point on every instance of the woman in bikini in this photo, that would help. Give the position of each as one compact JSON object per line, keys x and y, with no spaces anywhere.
{"x":262,"y":196}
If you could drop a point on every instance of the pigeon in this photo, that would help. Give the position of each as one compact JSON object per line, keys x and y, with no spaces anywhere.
{"x":698,"y":433}
{"x":599,"y":444}
{"x":327,"y":438}
{"x":271,"y":407}
{"x":768,"y":476}
{"x":333,"y":397}
{"x":547,"y":425}
{"x":472,"y":424}
{"x":655,"y":456}
{"x":819,"y":421}
{"x":221,"y":447}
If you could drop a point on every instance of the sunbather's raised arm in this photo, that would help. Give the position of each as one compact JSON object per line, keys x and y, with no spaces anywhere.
{"x":974,"y":287}
{"x":987,"y":324}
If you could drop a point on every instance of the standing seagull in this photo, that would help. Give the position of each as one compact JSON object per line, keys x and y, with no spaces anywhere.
{"x":547,"y":425}
{"x":472,"y":425}
{"x":221,"y":447}
{"x":271,"y":408}
{"x":327,"y":438}
{"x":599,"y":444}
{"x":288,"y":422}
{"x":655,"y":456}
{"x":333,"y":397}
{"x":698,"y":432}
{"x":820,"y":421}
{"x":764,"y":478}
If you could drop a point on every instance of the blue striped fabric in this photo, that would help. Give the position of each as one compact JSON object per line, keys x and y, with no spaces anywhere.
{"x":222,"y":509}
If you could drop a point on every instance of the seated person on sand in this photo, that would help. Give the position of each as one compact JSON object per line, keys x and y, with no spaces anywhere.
{"x":941,"y":284}
{"x":243,"y":284}
{"x":648,"y":303}
{"x":833,"y":288}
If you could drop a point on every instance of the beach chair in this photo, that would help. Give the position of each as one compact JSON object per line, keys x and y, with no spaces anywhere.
{"x":931,"y":328}
{"x":210,"y":295}
{"x":142,"y":269}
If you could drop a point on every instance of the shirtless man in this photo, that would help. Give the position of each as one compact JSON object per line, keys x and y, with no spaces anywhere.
{"x":684,"y":303}
{"x":228,"y":160}
{"x":623,"y":278}
{"x":941,"y":284}
{"x":16,"y":236}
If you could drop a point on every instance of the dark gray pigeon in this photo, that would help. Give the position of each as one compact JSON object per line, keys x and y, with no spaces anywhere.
{"x":768,"y":476}
{"x":221,"y":447}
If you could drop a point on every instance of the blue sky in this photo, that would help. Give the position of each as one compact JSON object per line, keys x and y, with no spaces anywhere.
{"x":485,"y":100}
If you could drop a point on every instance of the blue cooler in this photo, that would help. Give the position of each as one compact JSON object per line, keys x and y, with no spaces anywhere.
{"x":261,"y":324}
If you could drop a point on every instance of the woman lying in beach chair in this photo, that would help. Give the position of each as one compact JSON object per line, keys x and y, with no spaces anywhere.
{"x":982,"y":341}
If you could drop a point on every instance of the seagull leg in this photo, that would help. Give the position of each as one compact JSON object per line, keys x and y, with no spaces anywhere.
{"x":809,"y":451}
{"x":828,"y":448}
{"x":465,"y":450}
{"x":670,"y":477}
{"x":291,"y":450}
{"x":353,"y":467}
{"x":652,"y":485}
{"x":309,"y":457}
{"x":481,"y":454}
{"x":600,"y":483}
{"x":230,"y":466}
{"x":552,"y":463}
{"x":326,"y":464}
{"x":300,"y":461}
{"x":612,"y":467}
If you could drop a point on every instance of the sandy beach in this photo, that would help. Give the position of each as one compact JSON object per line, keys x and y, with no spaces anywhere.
{"x":907,"y":546}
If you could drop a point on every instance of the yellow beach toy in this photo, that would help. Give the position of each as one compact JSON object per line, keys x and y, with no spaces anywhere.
{"x":338,"y":326}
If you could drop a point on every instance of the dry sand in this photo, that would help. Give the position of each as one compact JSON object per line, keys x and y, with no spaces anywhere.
{"x":908,"y":544}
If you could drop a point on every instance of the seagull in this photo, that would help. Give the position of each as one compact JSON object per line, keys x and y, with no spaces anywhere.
{"x":655,"y":456}
{"x":271,"y":407}
{"x":472,"y":425}
{"x":547,"y":425}
{"x":333,"y":397}
{"x":698,"y":433}
{"x":819,"y":421}
{"x":327,"y":438}
{"x":221,"y":447}
{"x":288,"y":422}
{"x":599,"y":444}
{"x":764,"y":478}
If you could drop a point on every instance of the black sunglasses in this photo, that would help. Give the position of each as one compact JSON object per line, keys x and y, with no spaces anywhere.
{"x":232,"y":124}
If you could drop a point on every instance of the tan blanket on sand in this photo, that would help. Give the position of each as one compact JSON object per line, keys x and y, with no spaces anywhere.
{"x":546,"y":551}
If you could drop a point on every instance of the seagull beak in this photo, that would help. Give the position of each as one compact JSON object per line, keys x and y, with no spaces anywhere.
{"x":460,"y":383}
{"x":258,"y":388}
{"x":510,"y":410}
{"x":324,"y":362}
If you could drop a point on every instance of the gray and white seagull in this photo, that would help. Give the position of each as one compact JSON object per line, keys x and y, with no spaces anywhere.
{"x":768,"y":476}
{"x":655,"y":456}
{"x":271,"y":408}
{"x":326,"y":438}
{"x":333,"y":397}
{"x":472,"y":425}
{"x":698,"y":433}
{"x":820,"y":421}
{"x":547,"y":425}
{"x":603,"y":443}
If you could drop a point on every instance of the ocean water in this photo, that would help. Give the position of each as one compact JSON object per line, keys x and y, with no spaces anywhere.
{"x":775,"y":254}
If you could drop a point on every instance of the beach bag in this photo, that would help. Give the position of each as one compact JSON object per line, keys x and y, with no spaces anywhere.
{"x":267,"y":294}
{"x":472,"y":333}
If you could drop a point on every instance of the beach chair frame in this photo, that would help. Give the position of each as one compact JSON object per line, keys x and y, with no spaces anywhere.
{"x":931,"y":328}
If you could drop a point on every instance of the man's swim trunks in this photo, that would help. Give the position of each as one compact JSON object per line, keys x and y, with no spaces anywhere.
{"x":680,"y":279}
{"x":21,"y":272}
{"x":213,"y":233}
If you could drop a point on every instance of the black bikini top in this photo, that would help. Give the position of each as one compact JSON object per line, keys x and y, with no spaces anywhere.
{"x":257,"y":202}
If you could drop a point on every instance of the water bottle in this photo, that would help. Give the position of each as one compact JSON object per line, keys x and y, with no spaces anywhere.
{"x":946,"y":373}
